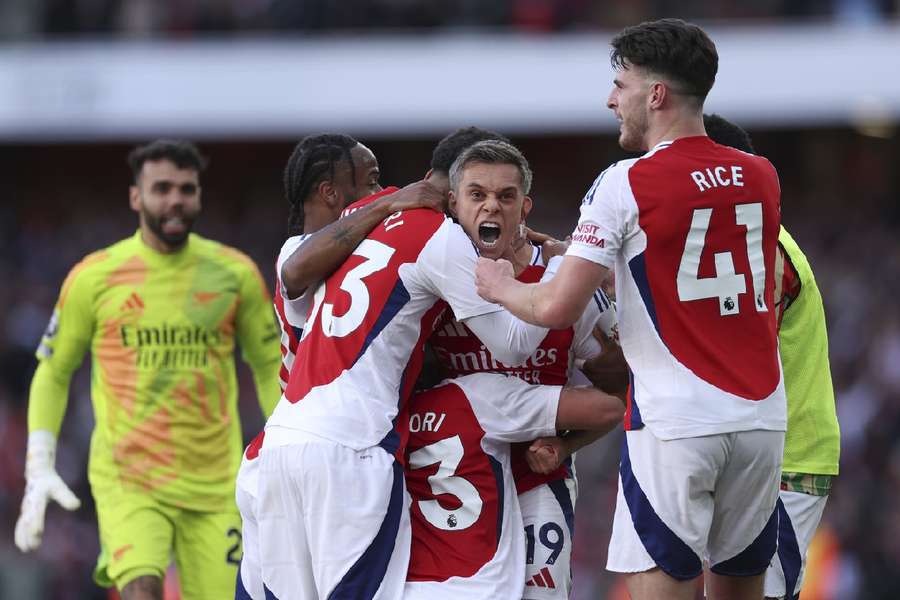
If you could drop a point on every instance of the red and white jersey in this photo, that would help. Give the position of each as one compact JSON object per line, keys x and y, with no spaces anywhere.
{"x":361,"y":350}
{"x":460,"y":353}
{"x":691,"y":229}
{"x":467,"y":537}
{"x":291,"y":312}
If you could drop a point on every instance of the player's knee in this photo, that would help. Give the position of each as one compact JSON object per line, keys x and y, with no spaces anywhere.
{"x":143,"y":587}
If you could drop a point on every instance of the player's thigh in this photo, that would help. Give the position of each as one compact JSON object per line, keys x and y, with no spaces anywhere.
{"x":549,"y":519}
{"x":356,"y":511}
{"x":249,"y":579}
{"x":136,"y":538}
{"x":798,"y":519}
{"x":207,"y":553}
{"x":665,"y":506}
{"x":284,"y":558}
{"x":744,"y":529}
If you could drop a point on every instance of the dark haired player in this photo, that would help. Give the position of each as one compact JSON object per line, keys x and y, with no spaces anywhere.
{"x":325,"y":173}
{"x":691,"y":229}
{"x":161,"y":313}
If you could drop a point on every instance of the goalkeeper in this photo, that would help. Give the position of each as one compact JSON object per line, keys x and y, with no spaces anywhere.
{"x":160,"y":312}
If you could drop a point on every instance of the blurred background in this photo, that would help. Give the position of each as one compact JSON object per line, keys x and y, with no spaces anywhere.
{"x":81,"y":81}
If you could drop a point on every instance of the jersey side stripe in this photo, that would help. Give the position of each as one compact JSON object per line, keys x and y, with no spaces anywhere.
{"x":498,"y":476}
{"x":639,"y":273}
{"x":396,"y":301}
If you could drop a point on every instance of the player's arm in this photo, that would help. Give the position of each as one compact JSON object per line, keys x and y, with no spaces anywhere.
{"x":597,"y":413}
{"x":605,"y":220}
{"x":447,"y":265}
{"x":555,"y":304}
{"x":258,"y":336}
{"x":60,"y":353}
{"x":587,"y":408}
{"x":787,"y":280}
{"x":325,"y":250}
{"x":508,"y":339}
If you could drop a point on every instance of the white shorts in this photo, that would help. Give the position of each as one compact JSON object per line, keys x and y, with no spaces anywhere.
{"x":548,"y":512}
{"x":798,"y":518}
{"x":685,"y":500}
{"x":333,"y":522}
{"x":249,"y":583}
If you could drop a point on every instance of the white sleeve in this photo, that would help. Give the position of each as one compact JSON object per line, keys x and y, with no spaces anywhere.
{"x":604,"y":223}
{"x":510,"y":410}
{"x":510,"y":340}
{"x":600,"y":311}
{"x":295,"y":309}
{"x":447,"y":263}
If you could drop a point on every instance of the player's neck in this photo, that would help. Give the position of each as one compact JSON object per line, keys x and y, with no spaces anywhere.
{"x":672,"y":127}
{"x":151,"y":240}
{"x":519,"y":257}
{"x":316,"y":218}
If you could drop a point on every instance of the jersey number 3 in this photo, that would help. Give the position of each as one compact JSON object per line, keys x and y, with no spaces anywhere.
{"x":447,"y":453}
{"x":726,"y":285}
{"x":377,"y":256}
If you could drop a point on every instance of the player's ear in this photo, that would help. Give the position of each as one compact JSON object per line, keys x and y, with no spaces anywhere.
{"x":329,"y":193}
{"x":658,"y":94}
{"x":134,"y":198}
{"x":451,"y":204}
{"x":526,"y":207}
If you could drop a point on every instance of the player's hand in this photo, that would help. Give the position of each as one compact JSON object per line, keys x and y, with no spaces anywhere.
{"x":491,"y":276}
{"x":545,"y":455}
{"x":608,"y":370}
{"x":552,"y":248}
{"x":536,"y":237}
{"x":420,"y":194}
{"x":42,"y":484}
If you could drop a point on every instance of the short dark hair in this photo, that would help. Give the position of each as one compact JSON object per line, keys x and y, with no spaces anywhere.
{"x":313,"y":161}
{"x":679,"y":51}
{"x":449,"y":148}
{"x":181,"y":152}
{"x":492,"y":152}
{"x":724,"y":132}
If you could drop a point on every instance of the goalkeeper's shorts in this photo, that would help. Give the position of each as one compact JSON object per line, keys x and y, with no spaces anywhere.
{"x":140,"y":536}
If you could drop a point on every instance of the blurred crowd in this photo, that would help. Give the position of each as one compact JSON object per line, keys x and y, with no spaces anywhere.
{"x":24,"y":19}
{"x":841,"y":200}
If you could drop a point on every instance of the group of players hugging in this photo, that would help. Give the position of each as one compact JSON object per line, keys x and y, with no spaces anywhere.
{"x":378,"y":477}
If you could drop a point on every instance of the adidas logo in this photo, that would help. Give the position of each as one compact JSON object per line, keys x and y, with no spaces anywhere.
{"x":133,"y":302}
{"x":542,"y":579}
{"x":453,"y":329}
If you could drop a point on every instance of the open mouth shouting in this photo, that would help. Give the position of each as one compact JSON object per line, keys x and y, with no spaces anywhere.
{"x":489,"y":234}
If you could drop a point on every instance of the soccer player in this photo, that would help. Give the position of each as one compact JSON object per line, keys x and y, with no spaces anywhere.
{"x":466,"y":524}
{"x":332,"y":505}
{"x":161,"y":312}
{"x":492,"y":211}
{"x":691,"y":228}
{"x":324,"y":174}
{"x":812,"y":442}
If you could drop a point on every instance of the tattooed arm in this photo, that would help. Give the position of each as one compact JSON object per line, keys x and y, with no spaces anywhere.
{"x":325,"y":250}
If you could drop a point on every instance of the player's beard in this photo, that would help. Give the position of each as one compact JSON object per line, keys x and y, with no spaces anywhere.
{"x":634,"y":131}
{"x":157,"y":223}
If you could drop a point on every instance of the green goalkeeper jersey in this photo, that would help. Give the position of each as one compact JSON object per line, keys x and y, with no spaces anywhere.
{"x":162,"y":331}
{"x":813,"y":438}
